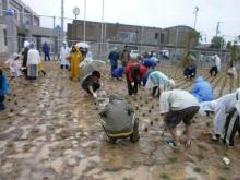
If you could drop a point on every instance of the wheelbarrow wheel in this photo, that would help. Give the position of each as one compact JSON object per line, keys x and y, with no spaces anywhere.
{"x":135,"y":136}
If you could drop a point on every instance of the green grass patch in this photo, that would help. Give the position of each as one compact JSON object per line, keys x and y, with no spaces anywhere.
{"x":172,"y":160}
{"x":164,"y":176}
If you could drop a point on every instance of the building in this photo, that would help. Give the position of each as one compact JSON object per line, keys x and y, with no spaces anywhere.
{"x":18,"y":22}
{"x":129,"y":34}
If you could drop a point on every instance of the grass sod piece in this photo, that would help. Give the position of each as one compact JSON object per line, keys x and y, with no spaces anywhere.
{"x":164,"y":176}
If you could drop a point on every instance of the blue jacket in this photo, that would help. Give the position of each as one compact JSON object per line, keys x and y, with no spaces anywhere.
{"x":117,"y":72}
{"x":4,"y":86}
{"x":113,"y":57}
{"x":46,"y":48}
{"x":149,"y":63}
{"x":202,"y":90}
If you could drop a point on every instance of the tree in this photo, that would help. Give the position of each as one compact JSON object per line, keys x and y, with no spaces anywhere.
{"x":234,"y":51}
{"x":217,"y":42}
{"x":191,"y":41}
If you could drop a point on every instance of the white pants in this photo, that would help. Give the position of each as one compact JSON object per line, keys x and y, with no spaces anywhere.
{"x":220,"y":119}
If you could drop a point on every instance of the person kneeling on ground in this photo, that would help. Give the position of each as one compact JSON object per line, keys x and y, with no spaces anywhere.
{"x":177,"y":106}
{"x":135,"y":72}
{"x":158,"y":82}
{"x":216,"y":66}
{"x":117,"y":73}
{"x":190,"y":72}
{"x":4,"y":89}
{"x":221,"y":107}
{"x":90,"y":83}
{"x":202,"y":90}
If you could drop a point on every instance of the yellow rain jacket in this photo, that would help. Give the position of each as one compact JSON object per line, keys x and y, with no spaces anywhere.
{"x":75,"y":59}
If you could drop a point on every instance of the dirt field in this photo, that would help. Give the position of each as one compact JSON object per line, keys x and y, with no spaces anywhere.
{"x":51,"y":130}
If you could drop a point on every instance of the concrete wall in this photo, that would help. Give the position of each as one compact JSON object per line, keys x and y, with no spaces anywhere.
{"x":3,"y":48}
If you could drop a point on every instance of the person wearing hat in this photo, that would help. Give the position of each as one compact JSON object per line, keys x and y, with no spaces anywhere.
{"x":64,"y":53}
{"x":90,"y":83}
{"x":33,"y":59}
{"x":158,"y":82}
{"x":113,"y":58}
{"x":14,"y":66}
{"x":75,"y":59}
{"x":24,"y":55}
{"x":46,"y":51}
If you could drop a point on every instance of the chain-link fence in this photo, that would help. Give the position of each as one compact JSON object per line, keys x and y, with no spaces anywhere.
{"x":17,"y":27}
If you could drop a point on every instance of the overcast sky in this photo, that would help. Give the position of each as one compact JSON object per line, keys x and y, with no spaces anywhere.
{"x":158,"y":13}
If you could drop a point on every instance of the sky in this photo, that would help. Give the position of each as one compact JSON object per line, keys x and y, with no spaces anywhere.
{"x":157,"y":13}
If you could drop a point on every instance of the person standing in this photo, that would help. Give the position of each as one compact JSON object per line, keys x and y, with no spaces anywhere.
{"x":216,"y":67}
{"x":176,"y":106}
{"x":113,"y":58}
{"x":33,"y":59}
{"x":64,"y":53}
{"x":14,"y":66}
{"x":4,"y":89}
{"x":125,"y":56}
{"x":75,"y":59}
{"x":46,"y":51}
{"x":24,"y":54}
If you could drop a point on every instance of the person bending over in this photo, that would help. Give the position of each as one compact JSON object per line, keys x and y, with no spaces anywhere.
{"x":90,"y":83}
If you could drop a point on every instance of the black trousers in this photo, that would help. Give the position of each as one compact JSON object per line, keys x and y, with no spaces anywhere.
{"x":95,"y":87}
{"x":214,"y":71}
{"x":1,"y":103}
{"x":232,"y":126}
{"x":156,"y":89}
{"x":133,"y":89}
{"x":47,"y":57}
{"x":66,"y":66}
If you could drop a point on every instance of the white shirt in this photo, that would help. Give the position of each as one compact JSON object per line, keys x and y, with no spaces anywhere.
{"x":218,"y":63}
{"x":33,"y":56}
{"x":176,"y":100}
{"x":64,"y":53}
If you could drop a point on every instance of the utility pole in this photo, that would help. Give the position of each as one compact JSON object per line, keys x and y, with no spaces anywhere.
{"x":62,"y":15}
{"x":103,"y":22}
{"x":217,"y":28}
{"x":176,"y":45}
{"x":84,"y":22}
{"x":195,"y":12}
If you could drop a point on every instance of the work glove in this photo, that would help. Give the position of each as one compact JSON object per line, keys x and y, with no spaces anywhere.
{"x":132,"y":83}
{"x":94,"y":95}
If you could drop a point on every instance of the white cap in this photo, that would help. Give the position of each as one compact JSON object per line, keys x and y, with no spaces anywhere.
{"x":64,"y":42}
{"x":171,"y":83}
{"x":26,"y":43}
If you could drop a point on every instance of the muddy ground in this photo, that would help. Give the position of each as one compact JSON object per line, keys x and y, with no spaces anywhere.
{"x":51,"y":130}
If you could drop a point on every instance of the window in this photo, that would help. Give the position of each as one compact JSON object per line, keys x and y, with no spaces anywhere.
{"x":156,"y":35}
{"x":5,"y":37}
{"x":162,"y":38}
